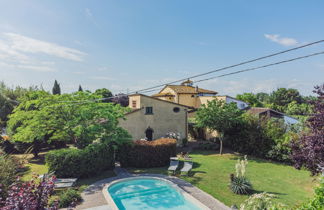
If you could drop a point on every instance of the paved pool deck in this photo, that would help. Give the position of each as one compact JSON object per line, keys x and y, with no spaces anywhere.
{"x":93,"y":197}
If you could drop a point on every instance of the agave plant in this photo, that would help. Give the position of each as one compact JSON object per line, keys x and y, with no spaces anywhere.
{"x":240,"y":185}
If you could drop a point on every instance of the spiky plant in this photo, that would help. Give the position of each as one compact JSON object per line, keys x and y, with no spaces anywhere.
{"x":240,"y":185}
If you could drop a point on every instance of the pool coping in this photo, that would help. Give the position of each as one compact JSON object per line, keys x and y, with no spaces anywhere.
{"x":93,"y":196}
{"x":187,"y":196}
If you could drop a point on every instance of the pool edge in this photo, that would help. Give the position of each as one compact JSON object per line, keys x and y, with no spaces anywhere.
{"x":186,"y":195}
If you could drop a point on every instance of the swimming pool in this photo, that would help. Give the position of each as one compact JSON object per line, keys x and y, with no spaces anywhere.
{"x":150,"y":193}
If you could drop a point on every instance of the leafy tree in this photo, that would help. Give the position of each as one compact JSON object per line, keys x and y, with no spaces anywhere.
{"x":80,"y":88}
{"x":219,"y":116}
{"x":308,"y":151}
{"x":282,"y":97}
{"x":42,"y":117}
{"x":249,"y":98}
{"x":9,"y":99}
{"x":104,"y":93}
{"x":56,"y":88}
{"x":294,"y":108}
{"x":263,"y":97}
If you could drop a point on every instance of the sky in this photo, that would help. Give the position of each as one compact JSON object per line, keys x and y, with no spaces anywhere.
{"x":128,"y":45}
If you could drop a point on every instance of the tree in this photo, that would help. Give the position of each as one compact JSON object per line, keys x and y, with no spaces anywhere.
{"x":9,"y":99}
{"x":56,"y":88}
{"x":249,"y":98}
{"x":104,"y":93}
{"x":42,"y":117}
{"x":282,"y":97}
{"x":263,"y":97}
{"x":308,"y":151}
{"x":219,"y":116}
{"x":80,"y":88}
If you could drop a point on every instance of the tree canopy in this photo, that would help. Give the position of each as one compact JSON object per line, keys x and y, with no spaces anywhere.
{"x":42,"y":117}
{"x":250,"y":98}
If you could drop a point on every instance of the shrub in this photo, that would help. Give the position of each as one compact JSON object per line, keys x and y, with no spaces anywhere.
{"x":29,"y":195}
{"x":318,"y":201}
{"x":147,"y":154}
{"x":268,"y":138}
{"x":69,"y":198}
{"x":91,"y":160}
{"x":239,"y":183}
{"x":261,"y":201}
{"x":8,"y":169}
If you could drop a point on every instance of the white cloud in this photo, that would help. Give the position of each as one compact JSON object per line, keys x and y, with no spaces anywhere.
{"x":29,"y":45}
{"x":20,"y":52}
{"x":281,"y":40}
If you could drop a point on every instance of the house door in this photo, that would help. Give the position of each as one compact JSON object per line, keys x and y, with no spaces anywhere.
{"x":149,"y":134}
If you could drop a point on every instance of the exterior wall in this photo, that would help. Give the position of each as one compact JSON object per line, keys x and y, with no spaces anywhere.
{"x":136,"y":98}
{"x":240,"y":104}
{"x":162,"y":121}
{"x":188,"y":100}
{"x":205,"y":99}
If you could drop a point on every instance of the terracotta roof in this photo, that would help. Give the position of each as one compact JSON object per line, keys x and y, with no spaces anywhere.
{"x":163,"y":94}
{"x":188,"y":89}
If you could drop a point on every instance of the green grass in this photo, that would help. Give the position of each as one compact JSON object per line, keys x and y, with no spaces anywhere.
{"x":211,"y":174}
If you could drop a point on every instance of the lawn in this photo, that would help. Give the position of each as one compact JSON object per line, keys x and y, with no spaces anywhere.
{"x":211,"y":174}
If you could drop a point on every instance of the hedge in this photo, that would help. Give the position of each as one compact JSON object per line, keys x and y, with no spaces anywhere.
{"x":147,"y":154}
{"x":91,"y":160}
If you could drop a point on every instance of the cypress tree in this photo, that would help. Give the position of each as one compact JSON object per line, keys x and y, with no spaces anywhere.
{"x":56,"y":88}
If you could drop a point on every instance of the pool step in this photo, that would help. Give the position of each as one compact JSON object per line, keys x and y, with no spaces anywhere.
{"x":140,"y":193}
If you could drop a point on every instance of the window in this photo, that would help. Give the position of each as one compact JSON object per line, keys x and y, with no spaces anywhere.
{"x":134,"y":104}
{"x":176,"y":109}
{"x":149,"y":110}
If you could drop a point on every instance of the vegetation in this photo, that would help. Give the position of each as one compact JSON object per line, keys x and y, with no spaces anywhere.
{"x":261,"y":201}
{"x":146,"y":154}
{"x":239,"y":183}
{"x":8,"y":171}
{"x":44,"y":118}
{"x":69,"y":198}
{"x":210,"y":173}
{"x":219,"y":116}
{"x":29,"y":195}
{"x":308,"y":151}
{"x":91,"y":160}
{"x":318,"y":201}
{"x":269,"y":138}
{"x":56,"y":88}
{"x":250,"y":98}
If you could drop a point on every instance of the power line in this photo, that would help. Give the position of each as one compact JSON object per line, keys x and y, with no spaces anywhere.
{"x":223,"y":75}
{"x":260,"y":67}
{"x":235,"y":65}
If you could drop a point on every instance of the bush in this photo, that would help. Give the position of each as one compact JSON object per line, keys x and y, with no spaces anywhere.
{"x":91,"y":160}
{"x":261,"y":201}
{"x":29,"y":195}
{"x":265,"y":139}
{"x":318,"y":201}
{"x":8,"y":169}
{"x":69,"y":198}
{"x":147,"y":154}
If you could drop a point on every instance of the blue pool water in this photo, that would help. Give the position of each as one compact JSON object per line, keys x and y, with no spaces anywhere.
{"x":148,"y":194}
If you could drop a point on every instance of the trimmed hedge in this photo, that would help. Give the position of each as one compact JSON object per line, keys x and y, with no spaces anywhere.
{"x":91,"y":160}
{"x":147,"y":154}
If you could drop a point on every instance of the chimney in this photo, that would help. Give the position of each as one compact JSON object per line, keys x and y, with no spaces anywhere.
{"x":196,"y":88}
